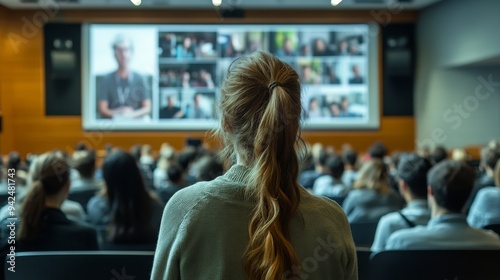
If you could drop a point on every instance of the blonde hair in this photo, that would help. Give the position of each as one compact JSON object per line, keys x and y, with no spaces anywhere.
{"x":260,"y":112}
{"x":497,"y":173}
{"x":373,"y":175}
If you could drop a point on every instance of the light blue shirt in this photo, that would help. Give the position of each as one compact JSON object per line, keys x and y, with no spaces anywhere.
{"x":485,"y":209}
{"x":416,"y":211}
{"x":449,"y":231}
{"x":328,"y":186}
{"x":348,"y":178}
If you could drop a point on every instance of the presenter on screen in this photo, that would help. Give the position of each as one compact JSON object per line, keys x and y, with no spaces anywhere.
{"x":124,"y":93}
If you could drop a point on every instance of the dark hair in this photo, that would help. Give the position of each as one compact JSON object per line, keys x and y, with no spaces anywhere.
{"x":185,"y":157}
{"x":85,"y":164}
{"x":80,"y":146}
{"x":451,"y":184}
{"x":413,"y":169}
{"x":136,"y":152}
{"x":209,"y":168}
{"x":335,"y":164}
{"x":174,"y":173}
{"x":322,"y":157}
{"x":350,"y":156}
{"x":492,"y":156}
{"x":130,"y":203}
{"x":50,"y":175}
{"x":14,"y":160}
{"x":378,"y":150}
{"x":438,"y":154}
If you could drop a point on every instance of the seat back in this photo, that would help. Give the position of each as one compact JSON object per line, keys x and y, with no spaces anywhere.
{"x":363,"y":255}
{"x":82,"y":196}
{"x":495,"y":228}
{"x":435,"y":264}
{"x":81,"y":265}
{"x":363,"y":234}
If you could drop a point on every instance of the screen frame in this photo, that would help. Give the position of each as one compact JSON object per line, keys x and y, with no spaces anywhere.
{"x":373,"y":87}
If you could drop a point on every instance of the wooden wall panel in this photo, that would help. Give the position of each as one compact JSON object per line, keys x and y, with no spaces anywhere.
{"x":27,"y":129}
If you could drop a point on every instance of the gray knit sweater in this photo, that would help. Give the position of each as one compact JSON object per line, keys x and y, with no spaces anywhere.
{"x":204,"y":233}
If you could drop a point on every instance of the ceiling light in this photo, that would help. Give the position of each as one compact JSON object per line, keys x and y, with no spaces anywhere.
{"x":335,"y":2}
{"x":136,"y":2}
{"x":217,"y":3}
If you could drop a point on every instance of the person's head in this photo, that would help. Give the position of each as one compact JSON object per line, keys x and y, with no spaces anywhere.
{"x":373,"y":176}
{"x":208,"y":168}
{"x":313,"y":105}
{"x":123,"y":49}
{"x":81,"y":146}
{"x":174,"y":174}
{"x":377,"y":150}
{"x":84,"y":163}
{"x":350,"y":157}
{"x":412,"y":172}
{"x":186,"y":76}
{"x":438,"y":154}
{"x":335,"y":165}
{"x":497,"y":174}
{"x":136,"y":152}
{"x":260,"y":108}
{"x":450,"y":184}
{"x":128,"y":199}
{"x":198,"y":97}
{"x":146,"y":150}
{"x":319,"y":45}
{"x":49,"y":187}
{"x":355,"y":70}
{"x":344,"y":103}
{"x":343,"y":46}
{"x":459,"y":155}
{"x":334,"y":109}
{"x":287,"y":45}
{"x":171,"y":101}
{"x":490,"y":161}
{"x":187,"y":42}
{"x":13,"y":161}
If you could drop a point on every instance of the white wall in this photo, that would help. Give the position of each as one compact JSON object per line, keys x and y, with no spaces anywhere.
{"x":454,"y":106}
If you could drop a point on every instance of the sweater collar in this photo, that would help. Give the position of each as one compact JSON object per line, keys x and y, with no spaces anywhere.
{"x":238,"y":173}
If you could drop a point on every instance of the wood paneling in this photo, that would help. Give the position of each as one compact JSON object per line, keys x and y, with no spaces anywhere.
{"x":27,"y":129}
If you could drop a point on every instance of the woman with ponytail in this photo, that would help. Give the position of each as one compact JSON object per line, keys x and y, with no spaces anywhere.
{"x":42,"y":225}
{"x":255,"y":221}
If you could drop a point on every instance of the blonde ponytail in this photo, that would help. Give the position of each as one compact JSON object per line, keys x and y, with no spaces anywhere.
{"x":261,"y":107}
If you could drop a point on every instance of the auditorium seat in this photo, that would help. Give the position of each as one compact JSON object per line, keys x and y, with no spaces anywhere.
{"x":495,"y":228}
{"x":435,"y":264}
{"x":363,"y":255}
{"x":82,"y":196}
{"x":363,"y":233}
{"x":81,"y":265}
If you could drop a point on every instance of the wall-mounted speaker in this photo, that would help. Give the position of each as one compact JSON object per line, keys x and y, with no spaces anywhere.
{"x":62,"y":69}
{"x":398,"y":60}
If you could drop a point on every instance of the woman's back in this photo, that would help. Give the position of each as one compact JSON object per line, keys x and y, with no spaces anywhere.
{"x":207,"y":237}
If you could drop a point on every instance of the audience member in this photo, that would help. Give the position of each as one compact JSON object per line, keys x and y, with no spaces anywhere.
{"x":450,"y":183}
{"x":350,"y":174}
{"x":378,"y":150}
{"x":146,"y":171}
{"x":167,"y":158}
{"x":459,"y":155}
{"x":257,"y":205}
{"x":485,"y":209}
{"x":84,"y":164}
{"x":489,"y":158}
{"x":130,"y":213}
{"x":307,"y":178}
{"x":174,"y":183}
{"x":372,"y":196}
{"x":356,"y":76}
{"x":207,"y":168}
{"x":438,"y":154}
{"x":412,"y":172}
{"x":42,"y":224}
{"x":330,"y":184}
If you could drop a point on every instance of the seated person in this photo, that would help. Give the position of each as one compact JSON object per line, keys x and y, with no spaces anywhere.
{"x":171,"y":111}
{"x":307,"y":178}
{"x":450,"y":183}
{"x":130,"y":214}
{"x":350,"y":174}
{"x":412,"y":172}
{"x":84,"y":163}
{"x":330,"y":185}
{"x":42,"y":224}
{"x":356,"y":76}
{"x":372,"y":196}
{"x":485,"y":209}
{"x":174,"y":183}
{"x":489,"y":158}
